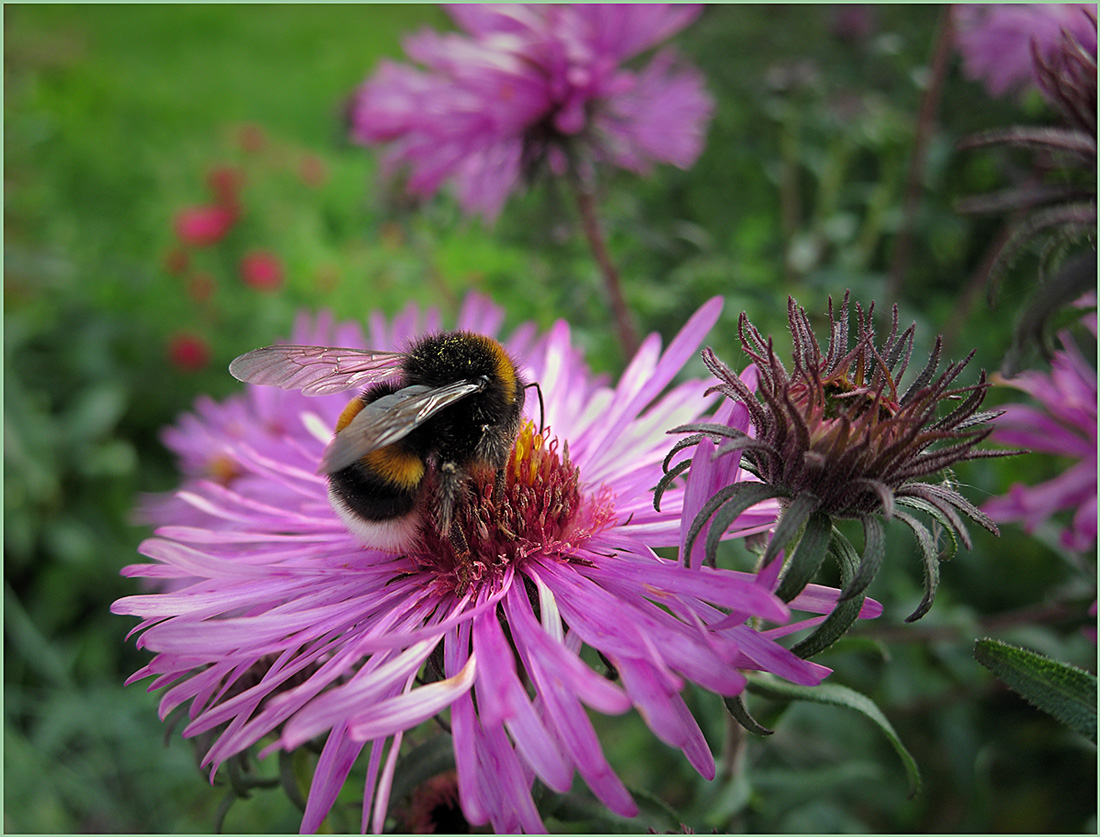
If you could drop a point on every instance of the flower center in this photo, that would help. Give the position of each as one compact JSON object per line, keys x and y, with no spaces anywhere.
{"x":535,"y":506}
{"x":845,"y":398}
{"x":837,"y":404}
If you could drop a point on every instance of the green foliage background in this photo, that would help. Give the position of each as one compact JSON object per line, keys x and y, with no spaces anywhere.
{"x":114,"y":114}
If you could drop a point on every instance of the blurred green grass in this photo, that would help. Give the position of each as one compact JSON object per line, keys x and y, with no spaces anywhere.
{"x":114,"y":115}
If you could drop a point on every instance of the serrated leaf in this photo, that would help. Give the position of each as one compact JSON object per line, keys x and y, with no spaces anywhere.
{"x":1059,"y":689}
{"x":833,"y":694}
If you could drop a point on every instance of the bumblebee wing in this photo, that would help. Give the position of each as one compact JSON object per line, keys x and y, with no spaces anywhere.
{"x":389,"y":419}
{"x":315,"y":370}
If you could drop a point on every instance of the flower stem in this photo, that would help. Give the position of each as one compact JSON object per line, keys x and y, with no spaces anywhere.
{"x":733,"y":750}
{"x":624,"y":322}
{"x":899,"y":261}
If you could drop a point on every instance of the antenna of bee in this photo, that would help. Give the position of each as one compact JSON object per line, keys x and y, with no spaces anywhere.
{"x":542,"y":407}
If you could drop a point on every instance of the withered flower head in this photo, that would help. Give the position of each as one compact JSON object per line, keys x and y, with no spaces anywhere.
{"x":838,"y":427}
{"x":1068,"y":77}
{"x":838,"y":437}
{"x":1054,"y":207}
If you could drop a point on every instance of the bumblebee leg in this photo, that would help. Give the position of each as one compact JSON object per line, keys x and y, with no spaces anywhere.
{"x":499,"y":486}
{"x":452,"y":481}
{"x":458,"y":540}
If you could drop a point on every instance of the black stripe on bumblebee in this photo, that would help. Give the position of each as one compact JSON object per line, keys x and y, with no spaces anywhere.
{"x":450,"y":404}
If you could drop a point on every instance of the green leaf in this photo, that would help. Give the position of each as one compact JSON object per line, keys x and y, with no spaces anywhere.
{"x":930,"y":562}
{"x":874,"y":550}
{"x":740,"y":713}
{"x":580,"y":808}
{"x":434,"y":756}
{"x":833,"y":694}
{"x":653,"y":808}
{"x":31,"y":647}
{"x":1059,"y":689}
{"x":290,"y":764}
{"x":940,"y":518}
{"x":791,"y":522}
{"x":845,"y":613}
{"x":807,"y":556}
{"x":735,"y":499}
{"x":667,"y":480}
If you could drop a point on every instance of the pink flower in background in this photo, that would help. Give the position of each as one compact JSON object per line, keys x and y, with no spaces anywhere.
{"x":312,"y":171}
{"x":188,"y":352}
{"x":201,"y":226}
{"x":996,"y":40}
{"x":1064,"y":424}
{"x":251,"y":138}
{"x":225,"y":183}
{"x":526,"y":86}
{"x":853,"y":23}
{"x":262,"y":270}
{"x":277,"y":622}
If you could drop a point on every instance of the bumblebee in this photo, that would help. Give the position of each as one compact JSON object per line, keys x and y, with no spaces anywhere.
{"x":450,"y":404}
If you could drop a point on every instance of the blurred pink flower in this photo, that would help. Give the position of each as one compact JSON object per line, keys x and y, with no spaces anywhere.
{"x":853,"y":23}
{"x":527,"y":87}
{"x":201,"y":226}
{"x":275,"y":623}
{"x":312,"y":171}
{"x":995,"y":40}
{"x":188,"y":352}
{"x":262,"y":270}
{"x":1064,"y":425}
{"x":225,"y":184}
{"x":251,"y":138}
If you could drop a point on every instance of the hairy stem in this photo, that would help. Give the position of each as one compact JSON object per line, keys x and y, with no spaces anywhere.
{"x":732,"y":761}
{"x":624,"y":322}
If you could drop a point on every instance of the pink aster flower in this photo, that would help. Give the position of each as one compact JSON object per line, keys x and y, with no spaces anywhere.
{"x":201,"y":226}
{"x":1063,"y":424}
{"x":262,"y":270}
{"x":996,"y":40}
{"x":526,"y":86}
{"x":277,"y":625}
{"x":225,"y":183}
{"x":188,"y":352}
